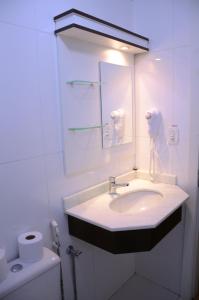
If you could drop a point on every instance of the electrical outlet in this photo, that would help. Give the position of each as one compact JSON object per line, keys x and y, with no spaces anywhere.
{"x":173,"y":135}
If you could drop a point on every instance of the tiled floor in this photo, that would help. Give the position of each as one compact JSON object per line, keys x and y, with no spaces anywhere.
{"x":139,"y":288}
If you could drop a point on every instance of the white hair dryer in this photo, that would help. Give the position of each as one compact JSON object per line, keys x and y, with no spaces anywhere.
{"x":117,"y":117}
{"x":153,"y":118}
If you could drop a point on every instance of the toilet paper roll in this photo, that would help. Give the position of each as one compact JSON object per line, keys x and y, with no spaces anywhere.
{"x":30,"y":246}
{"x":3,"y":265}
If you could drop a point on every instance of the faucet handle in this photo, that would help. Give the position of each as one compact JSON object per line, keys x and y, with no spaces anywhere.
{"x":112,"y":179}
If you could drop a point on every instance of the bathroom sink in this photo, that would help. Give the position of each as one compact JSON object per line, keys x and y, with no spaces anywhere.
{"x":141,"y":205}
{"x":137,"y":202}
{"x":133,"y":220}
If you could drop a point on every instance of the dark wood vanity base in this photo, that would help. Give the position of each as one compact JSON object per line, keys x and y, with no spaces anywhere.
{"x":126,"y":241}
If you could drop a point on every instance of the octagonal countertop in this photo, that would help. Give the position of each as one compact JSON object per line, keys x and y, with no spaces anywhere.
{"x":155,"y":203}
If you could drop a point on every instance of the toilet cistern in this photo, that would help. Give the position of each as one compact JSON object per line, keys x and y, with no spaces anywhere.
{"x":113,"y":185}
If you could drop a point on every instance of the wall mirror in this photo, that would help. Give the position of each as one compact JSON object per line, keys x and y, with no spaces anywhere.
{"x":116,"y":91}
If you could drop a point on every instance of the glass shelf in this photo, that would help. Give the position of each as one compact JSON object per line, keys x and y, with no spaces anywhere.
{"x":83,"y":82}
{"x":85,"y":128}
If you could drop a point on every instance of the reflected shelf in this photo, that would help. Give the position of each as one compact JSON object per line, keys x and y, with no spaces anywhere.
{"x":85,"y":128}
{"x":83,"y":82}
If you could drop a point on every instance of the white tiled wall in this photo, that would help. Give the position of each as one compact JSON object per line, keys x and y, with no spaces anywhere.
{"x":39,"y":14}
{"x":24,"y":201}
{"x":170,"y":85}
{"x":32,"y":180}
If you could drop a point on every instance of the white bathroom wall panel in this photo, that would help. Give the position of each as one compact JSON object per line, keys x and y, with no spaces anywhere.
{"x":190,"y":266}
{"x":191,"y":241}
{"x":32,"y":180}
{"x":24,"y":202}
{"x":184,"y":30}
{"x":163,"y":264}
{"x":153,"y":89}
{"x":111,"y":272}
{"x":154,"y":18}
{"x":29,"y":108}
{"x":47,"y":84}
{"x":39,"y":14}
{"x":20,"y":112}
{"x":166,"y":78}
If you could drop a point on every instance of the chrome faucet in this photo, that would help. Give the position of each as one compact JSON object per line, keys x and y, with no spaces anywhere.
{"x":113,"y":185}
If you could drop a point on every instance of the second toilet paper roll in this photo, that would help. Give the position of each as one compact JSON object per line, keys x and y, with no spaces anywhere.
{"x":30,"y":246}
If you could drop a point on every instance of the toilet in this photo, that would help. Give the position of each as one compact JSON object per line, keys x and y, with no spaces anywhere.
{"x":33,"y":281}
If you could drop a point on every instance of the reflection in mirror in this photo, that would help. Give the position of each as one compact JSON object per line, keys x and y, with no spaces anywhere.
{"x":116,"y":103}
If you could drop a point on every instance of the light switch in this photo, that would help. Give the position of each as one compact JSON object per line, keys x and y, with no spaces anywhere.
{"x":173,"y":135}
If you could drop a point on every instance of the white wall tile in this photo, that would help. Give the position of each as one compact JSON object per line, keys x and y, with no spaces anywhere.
{"x":48,"y":92}
{"x":142,"y":156}
{"x":20,"y":114}
{"x":30,"y":117}
{"x":190,"y":252}
{"x":154,"y":89}
{"x":111,"y":272}
{"x":179,"y":154}
{"x":22,"y":12}
{"x":85,"y":271}
{"x":194,"y":22}
{"x":57,"y":187}
{"x":103,"y":10}
{"x":194,"y":70}
{"x":154,"y":82}
{"x":39,"y":14}
{"x":173,"y":87}
{"x":154,"y":20}
{"x":163,"y":264}
{"x":183,"y":16}
{"x":182,"y":88}
{"x":24,"y":202}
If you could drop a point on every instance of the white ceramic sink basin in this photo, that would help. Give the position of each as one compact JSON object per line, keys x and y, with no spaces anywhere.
{"x":142,"y":204}
{"x":137,"y":202}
